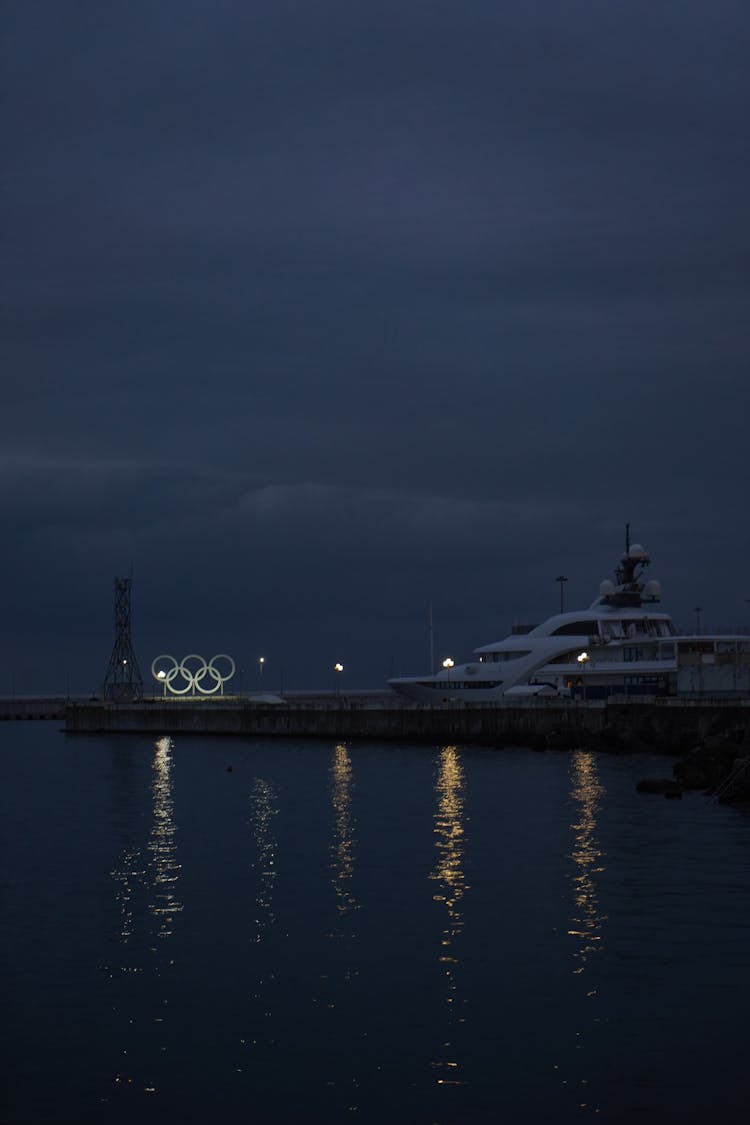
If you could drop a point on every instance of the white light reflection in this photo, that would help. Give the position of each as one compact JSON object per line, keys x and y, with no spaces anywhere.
{"x":264,"y":808}
{"x":129,"y":872}
{"x":586,"y":923}
{"x":452,"y":886}
{"x":162,"y":846}
{"x":342,"y":849}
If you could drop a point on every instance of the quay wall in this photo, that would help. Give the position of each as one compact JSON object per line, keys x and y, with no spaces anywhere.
{"x":35,"y":707}
{"x":669,"y":725}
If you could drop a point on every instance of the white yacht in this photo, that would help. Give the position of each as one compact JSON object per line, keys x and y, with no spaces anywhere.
{"x":621,"y":646}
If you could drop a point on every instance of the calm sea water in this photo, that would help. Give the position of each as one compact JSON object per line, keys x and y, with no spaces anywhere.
{"x":364,"y":933}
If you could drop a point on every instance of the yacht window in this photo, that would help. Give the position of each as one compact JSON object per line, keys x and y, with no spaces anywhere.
{"x":697,"y":646}
{"x":455,"y":685}
{"x":727,"y":646}
{"x":576,"y":629}
{"x":567,"y":657}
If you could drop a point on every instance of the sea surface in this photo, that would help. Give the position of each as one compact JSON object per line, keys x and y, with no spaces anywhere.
{"x":216,"y":930}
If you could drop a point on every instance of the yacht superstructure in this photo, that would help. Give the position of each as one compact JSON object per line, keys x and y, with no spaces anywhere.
{"x":621,"y":645}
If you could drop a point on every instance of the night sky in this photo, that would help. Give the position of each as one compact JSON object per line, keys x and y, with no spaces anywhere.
{"x":318,"y":312}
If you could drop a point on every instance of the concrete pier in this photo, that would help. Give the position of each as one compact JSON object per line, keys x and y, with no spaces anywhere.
{"x":34,"y":707}
{"x":668,"y":724}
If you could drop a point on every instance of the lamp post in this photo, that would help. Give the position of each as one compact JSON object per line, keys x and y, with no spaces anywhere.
{"x":583,"y":659}
{"x":562,"y":580}
{"x":261,"y":662}
{"x":338,"y":668}
{"x":448,"y":664}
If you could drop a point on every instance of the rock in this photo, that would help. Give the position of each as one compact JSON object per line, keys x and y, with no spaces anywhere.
{"x":707,"y":765}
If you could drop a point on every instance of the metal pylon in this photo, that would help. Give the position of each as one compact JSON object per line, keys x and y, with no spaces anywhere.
{"x":123,"y":681}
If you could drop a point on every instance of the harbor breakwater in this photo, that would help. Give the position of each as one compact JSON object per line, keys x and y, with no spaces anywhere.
{"x":663,"y":725}
{"x":34,"y":707}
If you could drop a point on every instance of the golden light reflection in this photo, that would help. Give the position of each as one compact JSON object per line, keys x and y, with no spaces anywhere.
{"x":452,"y":886}
{"x":264,"y":808}
{"x":162,"y":844}
{"x":342,"y":849}
{"x":587,"y":791}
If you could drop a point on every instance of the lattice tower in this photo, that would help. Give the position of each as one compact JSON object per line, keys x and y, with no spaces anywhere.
{"x":123,"y":681}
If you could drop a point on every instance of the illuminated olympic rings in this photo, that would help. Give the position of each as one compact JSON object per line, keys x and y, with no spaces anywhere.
{"x":190,"y":674}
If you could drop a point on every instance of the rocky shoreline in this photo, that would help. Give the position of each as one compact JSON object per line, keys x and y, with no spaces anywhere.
{"x":715,"y":759}
{"x":718,"y":764}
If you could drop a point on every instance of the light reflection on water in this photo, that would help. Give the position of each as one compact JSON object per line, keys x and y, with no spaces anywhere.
{"x":161,"y":873}
{"x":586,"y":923}
{"x":162,"y":844}
{"x":128,"y":873}
{"x":263,"y":802}
{"x":448,"y":873}
{"x":342,"y":848}
{"x":145,"y":892}
{"x":588,"y":793}
{"x":251,"y":1009}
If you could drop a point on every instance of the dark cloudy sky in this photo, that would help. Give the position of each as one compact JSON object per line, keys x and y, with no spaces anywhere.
{"x":316,"y":311}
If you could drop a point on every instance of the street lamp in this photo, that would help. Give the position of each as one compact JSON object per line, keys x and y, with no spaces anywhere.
{"x":338,"y":668}
{"x":562,"y":580}
{"x":448,"y":664}
{"x":261,"y":662}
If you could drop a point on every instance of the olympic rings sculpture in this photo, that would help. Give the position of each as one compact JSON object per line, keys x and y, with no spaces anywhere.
{"x":191,"y":673}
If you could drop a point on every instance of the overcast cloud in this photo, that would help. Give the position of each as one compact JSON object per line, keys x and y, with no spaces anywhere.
{"x":316,"y":313}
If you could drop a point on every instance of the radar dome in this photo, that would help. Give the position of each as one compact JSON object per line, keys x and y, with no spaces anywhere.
{"x":652,"y":589}
{"x":637,"y":551}
{"x":606,"y":588}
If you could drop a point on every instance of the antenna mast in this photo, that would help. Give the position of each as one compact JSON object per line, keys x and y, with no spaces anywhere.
{"x":123,"y":682}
